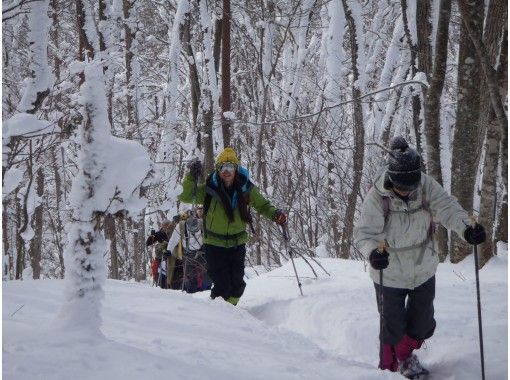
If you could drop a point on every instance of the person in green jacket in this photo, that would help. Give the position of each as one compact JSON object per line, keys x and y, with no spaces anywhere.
{"x":227,"y":196}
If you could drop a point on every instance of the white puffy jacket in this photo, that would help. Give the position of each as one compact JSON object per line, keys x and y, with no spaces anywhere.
{"x":412,"y":251}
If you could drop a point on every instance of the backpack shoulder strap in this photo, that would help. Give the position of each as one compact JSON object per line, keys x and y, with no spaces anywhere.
{"x":386,"y":207}
{"x":425,"y":204}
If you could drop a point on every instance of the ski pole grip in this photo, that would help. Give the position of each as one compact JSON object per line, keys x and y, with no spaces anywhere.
{"x":473,"y":220}
{"x":381,"y":246}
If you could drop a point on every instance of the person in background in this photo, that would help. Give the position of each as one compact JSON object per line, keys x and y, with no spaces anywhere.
{"x":227,"y":196}
{"x":160,"y":239}
{"x":395,"y":232}
{"x":185,"y":252}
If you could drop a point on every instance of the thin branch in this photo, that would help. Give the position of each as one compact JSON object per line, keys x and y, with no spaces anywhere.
{"x":19,"y":5}
{"x":306,"y":116}
{"x":14,"y":15}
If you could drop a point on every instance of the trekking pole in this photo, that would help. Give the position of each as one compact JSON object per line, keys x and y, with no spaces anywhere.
{"x":285,"y":233}
{"x":480,"y":333}
{"x":381,"y":312}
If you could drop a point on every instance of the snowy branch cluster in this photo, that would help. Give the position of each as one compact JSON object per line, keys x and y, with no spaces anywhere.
{"x":86,"y":109}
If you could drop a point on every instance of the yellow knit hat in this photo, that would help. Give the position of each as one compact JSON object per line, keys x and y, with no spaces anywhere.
{"x":228,"y":155}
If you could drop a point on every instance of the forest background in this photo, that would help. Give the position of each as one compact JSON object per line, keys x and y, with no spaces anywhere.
{"x":105,"y":101}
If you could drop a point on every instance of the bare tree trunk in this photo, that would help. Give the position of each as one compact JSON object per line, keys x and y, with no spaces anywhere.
{"x":464,"y":160}
{"x":433,"y":110}
{"x":20,"y":244}
{"x":103,"y":18}
{"x":359,"y":139}
{"x":503,"y":87}
{"x":488,"y":200}
{"x":208,"y":114}
{"x":137,"y":254}
{"x":193,"y":76}
{"x":424,"y":33}
{"x":38,"y":84}
{"x":225,"y":72}
{"x":217,"y":43}
{"x":58,"y":225}
{"x":25,"y":218}
{"x":57,"y":62}
{"x":37,"y":223}
{"x":123,"y":225}
{"x":488,"y":70}
{"x":335,"y":234}
{"x":84,"y":45}
{"x":502,"y":229}
{"x":5,"y":238}
{"x":416,"y":102}
{"x":128,"y":59}
{"x":111,"y":235}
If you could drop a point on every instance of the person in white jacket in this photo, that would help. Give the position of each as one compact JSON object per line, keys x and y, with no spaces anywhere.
{"x":192,"y":229}
{"x":396,"y":232}
{"x":184,"y":253}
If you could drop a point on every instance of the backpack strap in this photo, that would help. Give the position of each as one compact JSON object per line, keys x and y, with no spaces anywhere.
{"x":386,"y":208}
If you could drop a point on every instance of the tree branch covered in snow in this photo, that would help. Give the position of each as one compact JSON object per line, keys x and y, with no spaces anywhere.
{"x":305,"y":77}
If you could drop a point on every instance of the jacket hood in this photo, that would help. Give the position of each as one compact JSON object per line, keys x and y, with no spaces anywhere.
{"x":242,"y":173}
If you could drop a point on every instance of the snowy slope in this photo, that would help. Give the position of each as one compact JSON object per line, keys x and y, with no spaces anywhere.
{"x":330,"y":333}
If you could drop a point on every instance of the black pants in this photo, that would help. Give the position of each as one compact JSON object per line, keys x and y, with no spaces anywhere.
{"x":225,"y":266}
{"x":162,"y":281}
{"x":414,"y":317}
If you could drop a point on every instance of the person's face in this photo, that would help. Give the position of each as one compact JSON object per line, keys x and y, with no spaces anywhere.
{"x":200,"y":213}
{"x":402,"y":193}
{"x":227,"y":172}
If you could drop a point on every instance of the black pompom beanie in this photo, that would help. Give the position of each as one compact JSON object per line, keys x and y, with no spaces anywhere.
{"x":404,"y":165}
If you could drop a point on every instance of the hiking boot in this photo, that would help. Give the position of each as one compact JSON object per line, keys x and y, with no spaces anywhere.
{"x":233,"y":300}
{"x":411,"y":368}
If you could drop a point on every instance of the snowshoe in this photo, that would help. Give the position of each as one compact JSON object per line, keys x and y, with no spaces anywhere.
{"x":412,"y":369}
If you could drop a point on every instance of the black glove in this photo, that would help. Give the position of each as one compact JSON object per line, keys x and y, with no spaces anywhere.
{"x":160,"y":236}
{"x":167,"y":254}
{"x":195,"y":168}
{"x":150,"y":240}
{"x":379,"y":260}
{"x":475,"y":235}
{"x":280,"y":217}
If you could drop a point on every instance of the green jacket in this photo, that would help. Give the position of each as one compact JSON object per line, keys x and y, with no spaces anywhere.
{"x":218,"y":229}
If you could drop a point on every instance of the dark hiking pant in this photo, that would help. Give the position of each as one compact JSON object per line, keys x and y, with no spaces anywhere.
{"x":407,"y":312}
{"x":225,"y":266}
{"x":162,"y":281}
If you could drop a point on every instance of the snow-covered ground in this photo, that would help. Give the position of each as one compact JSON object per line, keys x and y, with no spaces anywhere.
{"x":274,"y":333}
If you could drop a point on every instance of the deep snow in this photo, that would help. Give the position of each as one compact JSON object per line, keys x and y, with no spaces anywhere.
{"x":274,"y":333}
